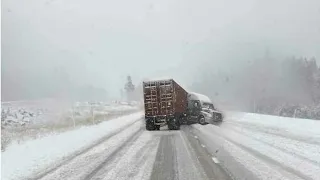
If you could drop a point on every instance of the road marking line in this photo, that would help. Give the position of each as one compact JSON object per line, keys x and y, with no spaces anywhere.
{"x":203,"y":145}
{"x":215,"y":160}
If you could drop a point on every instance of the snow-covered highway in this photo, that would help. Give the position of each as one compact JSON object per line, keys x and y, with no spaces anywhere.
{"x":135,"y":153}
{"x":244,"y":146}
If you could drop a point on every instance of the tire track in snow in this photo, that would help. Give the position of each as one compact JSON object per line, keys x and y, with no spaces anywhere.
{"x":302,"y":150}
{"x":200,"y":153}
{"x":216,"y":146}
{"x":112,"y":156}
{"x":287,"y":162}
{"x":268,"y":159}
{"x":165,"y":164}
{"x":133,"y":161}
{"x":262,"y":170}
{"x":81,"y":162}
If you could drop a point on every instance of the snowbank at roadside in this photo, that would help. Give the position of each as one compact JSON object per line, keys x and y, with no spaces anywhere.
{"x":22,"y":159}
{"x":303,"y":127}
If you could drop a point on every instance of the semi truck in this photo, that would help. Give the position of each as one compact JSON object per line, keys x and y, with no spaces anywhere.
{"x":201,"y":110}
{"x":167,"y":103}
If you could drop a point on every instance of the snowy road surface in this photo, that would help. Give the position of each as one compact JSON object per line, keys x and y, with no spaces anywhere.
{"x":232,"y":150}
{"x":135,"y":153}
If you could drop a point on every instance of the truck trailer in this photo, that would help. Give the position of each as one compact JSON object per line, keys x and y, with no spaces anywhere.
{"x":164,"y":102}
{"x":167,"y":103}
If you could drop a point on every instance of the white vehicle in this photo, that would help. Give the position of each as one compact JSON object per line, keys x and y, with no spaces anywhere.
{"x":202,"y":109}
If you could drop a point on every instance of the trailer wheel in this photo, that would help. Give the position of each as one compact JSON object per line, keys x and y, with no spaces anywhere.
{"x":157,"y":127}
{"x":150,"y":125}
{"x":170,"y":124}
{"x":183,"y":120}
{"x":202,"y":120}
{"x":173,"y":124}
{"x":177,"y":125}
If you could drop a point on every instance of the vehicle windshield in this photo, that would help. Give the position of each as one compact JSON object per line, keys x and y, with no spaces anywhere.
{"x":207,"y":106}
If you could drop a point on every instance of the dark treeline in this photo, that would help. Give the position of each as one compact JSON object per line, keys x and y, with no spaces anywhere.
{"x":289,"y":87}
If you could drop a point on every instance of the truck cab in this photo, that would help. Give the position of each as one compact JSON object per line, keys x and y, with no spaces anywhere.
{"x":201,"y":110}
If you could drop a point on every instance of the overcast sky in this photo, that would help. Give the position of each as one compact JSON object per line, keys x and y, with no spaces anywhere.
{"x":100,"y":42}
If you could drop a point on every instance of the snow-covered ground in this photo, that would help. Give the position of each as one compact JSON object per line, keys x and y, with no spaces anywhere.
{"x":244,"y":146}
{"x":24,"y":159}
{"x":23,"y":120}
{"x":270,"y":147}
{"x":294,"y":126}
{"x":21,"y":113}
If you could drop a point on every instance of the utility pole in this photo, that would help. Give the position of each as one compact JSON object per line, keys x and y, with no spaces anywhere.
{"x":74,"y":122}
{"x":92,"y":113}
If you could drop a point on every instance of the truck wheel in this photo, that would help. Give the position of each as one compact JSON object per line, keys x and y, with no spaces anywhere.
{"x":218,"y":117}
{"x":177,"y":125}
{"x":150,"y":125}
{"x":202,"y":120}
{"x":183,"y":120}
{"x":170,"y":127}
{"x":173,"y":124}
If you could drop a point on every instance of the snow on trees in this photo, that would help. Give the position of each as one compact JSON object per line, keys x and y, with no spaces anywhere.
{"x":129,"y":88}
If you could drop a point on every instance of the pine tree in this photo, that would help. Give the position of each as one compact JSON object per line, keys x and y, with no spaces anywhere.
{"x":129,"y":88}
